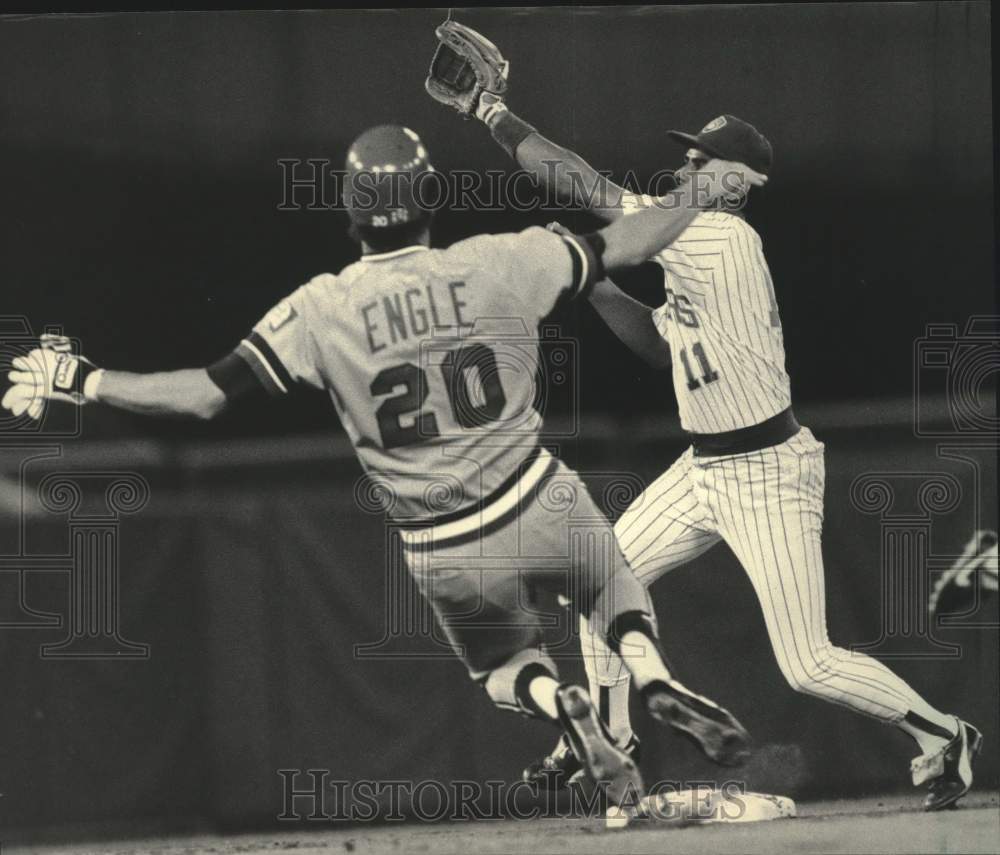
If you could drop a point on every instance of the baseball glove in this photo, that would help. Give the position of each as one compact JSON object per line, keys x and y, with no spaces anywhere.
{"x":465,"y":66}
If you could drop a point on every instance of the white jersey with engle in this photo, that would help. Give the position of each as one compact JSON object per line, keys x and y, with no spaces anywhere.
{"x":721,"y":321}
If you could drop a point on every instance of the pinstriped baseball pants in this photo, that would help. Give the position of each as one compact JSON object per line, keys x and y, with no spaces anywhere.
{"x":768,"y":507}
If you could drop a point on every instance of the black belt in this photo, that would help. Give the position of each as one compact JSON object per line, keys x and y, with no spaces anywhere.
{"x":770,"y":432}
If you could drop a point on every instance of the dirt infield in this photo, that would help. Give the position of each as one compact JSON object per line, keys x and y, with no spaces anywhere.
{"x":891,"y":824}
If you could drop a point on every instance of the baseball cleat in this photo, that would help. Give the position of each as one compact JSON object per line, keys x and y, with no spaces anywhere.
{"x":561,"y":769}
{"x":588,"y":737}
{"x":950,"y":769}
{"x":714,"y":730}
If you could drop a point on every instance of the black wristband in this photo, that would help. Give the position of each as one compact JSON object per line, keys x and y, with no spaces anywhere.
{"x":510,"y":131}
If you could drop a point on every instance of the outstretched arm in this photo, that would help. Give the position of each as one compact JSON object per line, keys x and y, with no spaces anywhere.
{"x":628,"y":242}
{"x":272,"y":358}
{"x":561,"y":170}
{"x":632,"y":322}
{"x":628,"y":319}
{"x":275,"y":355}
{"x":188,"y":392}
{"x":53,"y":372}
{"x":469,"y":73}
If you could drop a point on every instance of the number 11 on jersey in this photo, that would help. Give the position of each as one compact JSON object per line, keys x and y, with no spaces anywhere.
{"x":708,"y":374}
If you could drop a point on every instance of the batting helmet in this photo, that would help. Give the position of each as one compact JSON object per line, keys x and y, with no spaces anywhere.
{"x":384,"y":166}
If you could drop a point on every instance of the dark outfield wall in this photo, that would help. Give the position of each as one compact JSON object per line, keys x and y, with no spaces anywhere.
{"x":254,"y":585}
{"x":141,"y":181}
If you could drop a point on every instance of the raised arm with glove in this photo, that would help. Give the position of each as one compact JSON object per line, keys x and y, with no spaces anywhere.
{"x":469,"y":74}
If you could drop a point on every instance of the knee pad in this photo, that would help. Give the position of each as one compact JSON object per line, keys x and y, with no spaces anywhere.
{"x":507,"y":684}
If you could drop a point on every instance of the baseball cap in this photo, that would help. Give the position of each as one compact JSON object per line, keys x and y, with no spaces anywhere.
{"x":730,"y":138}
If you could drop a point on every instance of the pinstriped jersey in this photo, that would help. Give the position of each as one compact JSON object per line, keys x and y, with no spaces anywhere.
{"x":720,"y":318}
{"x":430,"y":358}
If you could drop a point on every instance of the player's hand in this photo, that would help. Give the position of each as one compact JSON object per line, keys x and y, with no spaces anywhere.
{"x":51,"y":372}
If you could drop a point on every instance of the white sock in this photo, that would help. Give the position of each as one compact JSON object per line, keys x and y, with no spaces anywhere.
{"x":543,"y":692}
{"x":612,"y":703}
{"x":609,"y":682}
{"x":641,"y":656}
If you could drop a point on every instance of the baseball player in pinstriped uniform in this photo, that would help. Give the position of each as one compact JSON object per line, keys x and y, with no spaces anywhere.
{"x":431,"y":393}
{"x":752,"y":476}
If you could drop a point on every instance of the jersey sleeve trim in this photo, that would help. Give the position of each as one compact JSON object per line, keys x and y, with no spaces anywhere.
{"x":265,"y":364}
{"x":587,"y":268}
{"x":234,"y":376}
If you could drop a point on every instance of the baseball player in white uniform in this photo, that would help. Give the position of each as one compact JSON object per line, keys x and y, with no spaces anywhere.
{"x":752,"y":477}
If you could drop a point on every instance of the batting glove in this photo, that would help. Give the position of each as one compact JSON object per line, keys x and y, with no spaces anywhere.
{"x":51,"y":372}
{"x":489,"y":107}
